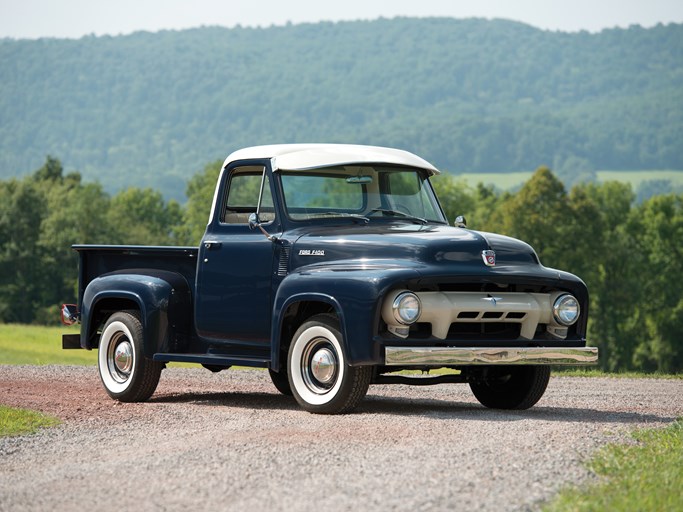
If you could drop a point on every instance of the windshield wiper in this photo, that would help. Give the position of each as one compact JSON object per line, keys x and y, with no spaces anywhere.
{"x":398,"y":213}
{"x":348,"y":215}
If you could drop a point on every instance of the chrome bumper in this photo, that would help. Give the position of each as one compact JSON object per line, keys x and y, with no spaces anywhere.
{"x":452,"y":356}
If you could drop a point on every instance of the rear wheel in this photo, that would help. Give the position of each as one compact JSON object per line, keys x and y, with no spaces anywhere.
{"x":125,"y":372}
{"x":319,"y":377}
{"x":511,"y":387}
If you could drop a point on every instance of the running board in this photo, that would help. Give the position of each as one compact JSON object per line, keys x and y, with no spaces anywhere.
{"x":213,"y":359}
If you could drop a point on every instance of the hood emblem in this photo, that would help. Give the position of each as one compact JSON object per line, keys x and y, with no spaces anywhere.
{"x":311,"y":252}
{"x":489,"y":258}
{"x":493,"y":300}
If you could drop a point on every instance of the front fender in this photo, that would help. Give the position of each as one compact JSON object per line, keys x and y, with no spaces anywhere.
{"x":353,"y":294}
{"x":163,"y":299}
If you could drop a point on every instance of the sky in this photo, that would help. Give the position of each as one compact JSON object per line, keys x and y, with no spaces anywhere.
{"x":32,"y":19}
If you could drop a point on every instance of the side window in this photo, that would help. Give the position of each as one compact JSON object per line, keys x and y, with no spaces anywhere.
{"x":243,"y":194}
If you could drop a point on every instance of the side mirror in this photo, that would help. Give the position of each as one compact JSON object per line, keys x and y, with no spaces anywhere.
{"x":255,"y":222}
{"x":460,"y":222}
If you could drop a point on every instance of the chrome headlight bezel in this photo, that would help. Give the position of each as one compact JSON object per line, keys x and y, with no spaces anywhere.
{"x":566,"y":309}
{"x":406,"y":308}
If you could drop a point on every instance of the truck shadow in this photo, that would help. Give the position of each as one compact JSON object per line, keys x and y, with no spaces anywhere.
{"x":255,"y":400}
{"x":476,"y":412}
{"x":424,"y":407}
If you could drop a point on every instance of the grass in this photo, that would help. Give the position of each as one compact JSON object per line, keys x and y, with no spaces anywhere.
{"x":40,"y":345}
{"x":635,"y":178}
{"x":644,"y":476}
{"x":594,"y":372}
{"x":510,"y":180}
{"x":15,"y":422}
{"x":501,"y":180}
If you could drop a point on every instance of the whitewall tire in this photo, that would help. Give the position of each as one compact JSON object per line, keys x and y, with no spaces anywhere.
{"x":319,"y":376}
{"x":126,"y":374}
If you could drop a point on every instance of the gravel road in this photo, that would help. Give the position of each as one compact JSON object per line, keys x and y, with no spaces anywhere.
{"x":229,"y":441}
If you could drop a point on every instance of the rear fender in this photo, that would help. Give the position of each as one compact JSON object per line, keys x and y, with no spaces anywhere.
{"x":163,"y":299}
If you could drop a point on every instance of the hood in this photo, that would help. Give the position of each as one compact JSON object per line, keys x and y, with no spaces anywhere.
{"x":405,"y":245}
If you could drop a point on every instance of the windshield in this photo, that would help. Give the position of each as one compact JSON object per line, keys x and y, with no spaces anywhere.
{"x":365,"y":192}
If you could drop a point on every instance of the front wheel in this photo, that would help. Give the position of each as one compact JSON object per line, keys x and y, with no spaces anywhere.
{"x":319,"y":377}
{"x":125,"y":372}
{"x":511,"y":387}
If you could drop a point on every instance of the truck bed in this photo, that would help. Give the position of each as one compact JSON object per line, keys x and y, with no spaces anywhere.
{"x":96,"y":260}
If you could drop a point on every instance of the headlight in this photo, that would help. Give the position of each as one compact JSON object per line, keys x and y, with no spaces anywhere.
{"x":566,"y":309}
{"x":406,"y":308}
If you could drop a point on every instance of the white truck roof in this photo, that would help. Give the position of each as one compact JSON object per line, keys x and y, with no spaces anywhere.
{"x":300,"y":157}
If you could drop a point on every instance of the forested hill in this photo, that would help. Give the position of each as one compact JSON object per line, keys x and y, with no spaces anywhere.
{"x":150,"y":109}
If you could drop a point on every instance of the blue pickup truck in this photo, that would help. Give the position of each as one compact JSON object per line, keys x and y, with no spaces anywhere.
{"x":334,"y":267}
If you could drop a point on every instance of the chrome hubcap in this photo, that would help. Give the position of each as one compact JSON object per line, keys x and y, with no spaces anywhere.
{"x":123,"y":357}
{"x":120,"y":358}
{"x":323,"y":365}
{"x":320,"y":366}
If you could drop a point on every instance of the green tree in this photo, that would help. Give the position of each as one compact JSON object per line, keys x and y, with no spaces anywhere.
{"x":606,"y":255}
{"x":75,"y":213}
{"x":539,"y":214}
{"x":200,"y":191}
{"x":487,"y":203}
{"x":51,"y":171}
{"x":142,"y":217}
{"x":660,"y":234}
{"x":21,"y":271}
{"x":455,"y":196}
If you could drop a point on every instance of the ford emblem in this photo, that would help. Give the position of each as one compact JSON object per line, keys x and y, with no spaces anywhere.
{"x":489,"y":258}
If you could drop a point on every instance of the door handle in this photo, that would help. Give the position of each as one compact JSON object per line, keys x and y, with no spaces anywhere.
{"x":212,"y":244}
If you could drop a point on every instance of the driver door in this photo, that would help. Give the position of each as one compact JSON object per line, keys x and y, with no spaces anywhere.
{"x":233,"y":304}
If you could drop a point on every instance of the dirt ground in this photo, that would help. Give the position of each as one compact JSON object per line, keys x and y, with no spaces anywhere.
{"x":230,"y":441}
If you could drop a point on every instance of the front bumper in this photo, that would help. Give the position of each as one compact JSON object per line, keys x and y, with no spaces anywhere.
{"x":455,"y":356}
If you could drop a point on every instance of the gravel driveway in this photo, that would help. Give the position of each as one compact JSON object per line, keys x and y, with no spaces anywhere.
{"x":229,"y":441}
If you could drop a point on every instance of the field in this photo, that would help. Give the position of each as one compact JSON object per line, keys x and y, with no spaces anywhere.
{"x":511,"y":180}
{"x":501,"y":180}
{"x":635,"y":178}
{"x":39,"y":345}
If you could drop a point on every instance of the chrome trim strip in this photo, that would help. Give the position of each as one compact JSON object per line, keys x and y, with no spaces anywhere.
{"x":457,"y":356}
